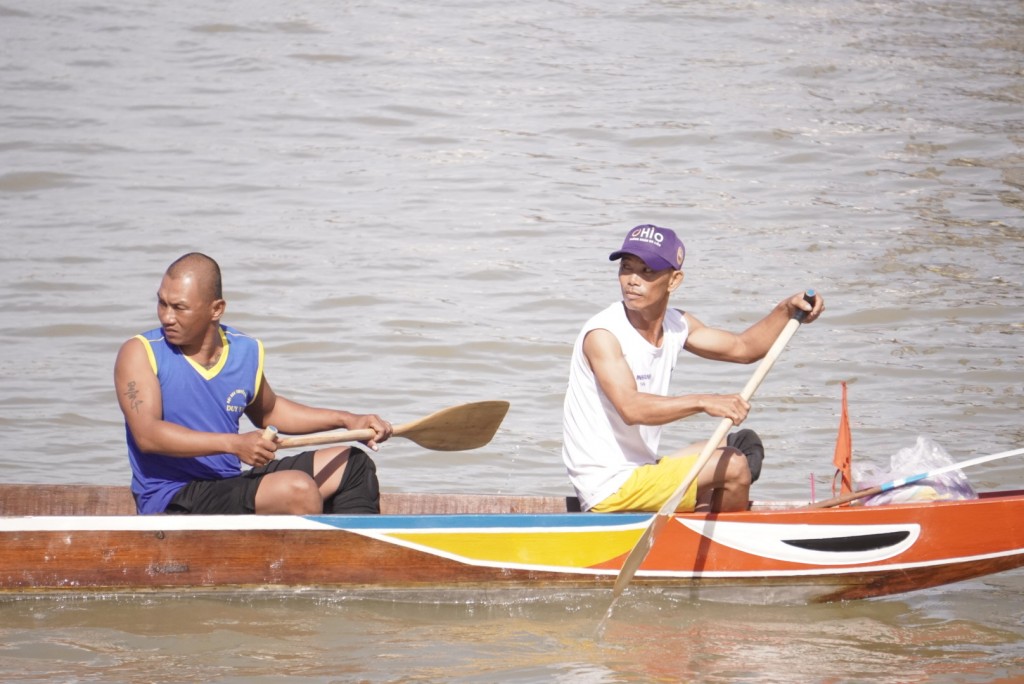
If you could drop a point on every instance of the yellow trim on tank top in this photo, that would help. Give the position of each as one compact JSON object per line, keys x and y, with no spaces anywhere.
{"x":211,"y":373}
{"x":149,"y":352}
{"x":259,"y":373}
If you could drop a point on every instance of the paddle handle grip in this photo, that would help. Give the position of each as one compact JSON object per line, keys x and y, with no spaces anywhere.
{"x":809,"y":298}
{"x":328,"y":438}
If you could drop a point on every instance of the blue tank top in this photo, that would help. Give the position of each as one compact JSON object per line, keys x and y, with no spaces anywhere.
{"x":207,"y":400}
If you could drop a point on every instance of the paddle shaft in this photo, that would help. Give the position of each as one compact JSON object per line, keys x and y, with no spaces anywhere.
{"x":895,"y":484}
{"x":333,"y":437}
{"x":643,"y":546}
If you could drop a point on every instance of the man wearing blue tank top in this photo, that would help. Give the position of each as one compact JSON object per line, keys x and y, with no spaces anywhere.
{"x":183,"y":388}
{"x":618,"y":398}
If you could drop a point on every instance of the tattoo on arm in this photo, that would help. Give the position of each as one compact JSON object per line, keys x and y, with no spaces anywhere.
{"x":133,"y":396}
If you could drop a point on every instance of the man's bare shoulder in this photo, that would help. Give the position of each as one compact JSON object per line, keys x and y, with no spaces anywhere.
{"x":132,"y":354}
{"x":600,"y":337}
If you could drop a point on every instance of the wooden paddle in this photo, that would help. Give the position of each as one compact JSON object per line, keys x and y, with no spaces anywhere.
{"x":643,"y":546}
{"x":456,"y":428}
{"x":895,"y":484}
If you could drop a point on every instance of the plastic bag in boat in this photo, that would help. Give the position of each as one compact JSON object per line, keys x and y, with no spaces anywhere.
{"x":924,"y":456}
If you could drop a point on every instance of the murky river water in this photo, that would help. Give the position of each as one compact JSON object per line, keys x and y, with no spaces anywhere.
{"x":413,"y":206}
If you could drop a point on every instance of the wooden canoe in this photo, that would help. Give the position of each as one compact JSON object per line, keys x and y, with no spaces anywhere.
{"x":86,"y":539}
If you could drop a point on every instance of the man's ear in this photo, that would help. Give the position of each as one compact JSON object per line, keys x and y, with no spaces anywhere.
{"x":217,"y":309}
{"x":676,"y":280}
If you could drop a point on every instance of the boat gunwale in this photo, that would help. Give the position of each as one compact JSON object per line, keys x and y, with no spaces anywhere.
{"x":87,"y":500}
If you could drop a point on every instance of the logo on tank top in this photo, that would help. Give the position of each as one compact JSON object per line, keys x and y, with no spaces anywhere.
{"x":643,"y":380}
{"x":237,"y":401}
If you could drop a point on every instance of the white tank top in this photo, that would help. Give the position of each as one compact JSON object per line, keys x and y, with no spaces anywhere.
{"x":598,"y":448}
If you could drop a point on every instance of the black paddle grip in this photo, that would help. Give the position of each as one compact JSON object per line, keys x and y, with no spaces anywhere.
{"x":809,"y":298}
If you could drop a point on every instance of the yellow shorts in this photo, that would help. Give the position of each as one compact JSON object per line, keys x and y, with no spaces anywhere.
{"x":650,"y":486}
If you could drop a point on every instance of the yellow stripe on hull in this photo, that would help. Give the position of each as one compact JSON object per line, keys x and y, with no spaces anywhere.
{"x":564,"y":548}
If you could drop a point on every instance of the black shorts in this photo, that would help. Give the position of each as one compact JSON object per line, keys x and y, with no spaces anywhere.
{"x":233,"y":495}
{"x":358,"y":493}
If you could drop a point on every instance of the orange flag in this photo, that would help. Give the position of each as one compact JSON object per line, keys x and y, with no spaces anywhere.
{"x":843,"y":456}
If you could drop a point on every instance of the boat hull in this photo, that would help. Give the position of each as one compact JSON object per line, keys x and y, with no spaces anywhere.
{"x":774,"y":554}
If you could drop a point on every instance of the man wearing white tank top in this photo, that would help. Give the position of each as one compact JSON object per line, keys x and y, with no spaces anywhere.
{"x":618,"y":394}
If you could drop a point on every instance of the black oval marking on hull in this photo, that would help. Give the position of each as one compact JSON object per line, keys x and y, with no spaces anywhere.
{"x":862,"y":542}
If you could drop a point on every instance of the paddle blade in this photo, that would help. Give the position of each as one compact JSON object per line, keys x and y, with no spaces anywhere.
{"x":639,"y":553}
{"x":457,"y":428}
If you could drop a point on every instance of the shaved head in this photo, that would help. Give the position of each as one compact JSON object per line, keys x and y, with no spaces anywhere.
{"x":204,"y":271}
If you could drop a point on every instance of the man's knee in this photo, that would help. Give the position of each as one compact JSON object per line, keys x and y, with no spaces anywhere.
{"x":359,"y":491}
{"x":288,"y":492}
{"x":749,"y":443}
{"x":737,"y":470}
{"x":301,"y":487}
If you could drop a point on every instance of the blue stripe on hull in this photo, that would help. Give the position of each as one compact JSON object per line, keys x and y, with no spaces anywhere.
{"x":475,"y":521}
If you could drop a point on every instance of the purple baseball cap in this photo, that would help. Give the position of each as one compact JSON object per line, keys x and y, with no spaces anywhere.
{"x":659,"y":248}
